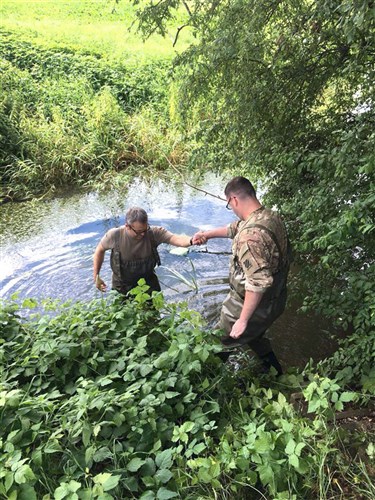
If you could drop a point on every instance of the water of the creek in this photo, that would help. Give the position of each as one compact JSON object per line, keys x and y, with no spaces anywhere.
{"x":46,"y":250}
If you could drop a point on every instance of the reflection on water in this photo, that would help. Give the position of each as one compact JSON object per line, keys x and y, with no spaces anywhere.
{"x":46,"y":250}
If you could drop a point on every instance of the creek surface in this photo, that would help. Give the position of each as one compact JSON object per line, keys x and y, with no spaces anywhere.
{"x":46,"y":251}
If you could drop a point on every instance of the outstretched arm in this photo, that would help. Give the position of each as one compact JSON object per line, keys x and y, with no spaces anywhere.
{"x":202,"y":236}
{"x":180,"y":240}
{"x":98,"y":261}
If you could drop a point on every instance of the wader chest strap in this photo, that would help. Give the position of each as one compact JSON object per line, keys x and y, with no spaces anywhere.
{"x":154,"y":249}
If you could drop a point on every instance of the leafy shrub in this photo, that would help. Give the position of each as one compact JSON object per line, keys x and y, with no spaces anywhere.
{"x":134,"y":84}
{"x":113,"y":400}
{"x":60,"y":130}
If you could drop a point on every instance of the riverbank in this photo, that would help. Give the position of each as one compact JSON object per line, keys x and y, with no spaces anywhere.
{"x":75,"y":109}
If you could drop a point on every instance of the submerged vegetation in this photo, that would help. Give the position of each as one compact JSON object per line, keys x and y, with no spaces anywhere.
{"x":106,"y":400}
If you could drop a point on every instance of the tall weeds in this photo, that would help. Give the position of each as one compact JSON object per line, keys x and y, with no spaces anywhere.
{"x":68,"y":118}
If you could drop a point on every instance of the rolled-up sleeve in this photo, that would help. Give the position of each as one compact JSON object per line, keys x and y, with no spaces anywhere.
{"x":108,"y":240}
{"x":232,"y":229}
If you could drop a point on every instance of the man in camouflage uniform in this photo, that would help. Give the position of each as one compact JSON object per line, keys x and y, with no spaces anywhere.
{"x":258,"y":271}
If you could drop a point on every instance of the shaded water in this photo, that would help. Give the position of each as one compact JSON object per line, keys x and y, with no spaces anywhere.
{"x":46,"y":250}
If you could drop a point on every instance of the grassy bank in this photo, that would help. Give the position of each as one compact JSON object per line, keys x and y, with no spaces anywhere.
{"x":103,"y":27}
{"x":74,"y":108}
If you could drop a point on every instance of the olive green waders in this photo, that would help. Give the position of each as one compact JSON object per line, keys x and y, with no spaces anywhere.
{"x":271,"y":306}
{"x":127,"y":273}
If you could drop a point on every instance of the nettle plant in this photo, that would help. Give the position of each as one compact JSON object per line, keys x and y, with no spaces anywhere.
{"x":103,"y":397}
{"x":113,"y":399}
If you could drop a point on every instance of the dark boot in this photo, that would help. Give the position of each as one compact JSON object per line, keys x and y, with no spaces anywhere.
{"x":223,"y":355}
{"x":269,"y":360}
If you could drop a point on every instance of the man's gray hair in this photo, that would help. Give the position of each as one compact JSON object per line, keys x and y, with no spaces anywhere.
{"x":136,"y":214}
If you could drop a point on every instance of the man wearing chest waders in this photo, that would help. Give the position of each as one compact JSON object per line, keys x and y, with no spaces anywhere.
{"x":258,"y":271}
{"x":134,"y":253}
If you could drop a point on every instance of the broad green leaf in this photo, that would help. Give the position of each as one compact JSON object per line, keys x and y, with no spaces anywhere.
{"x":164,"y":475}
{"x":345,"y":397}
{"x":294,"y":461}
{"x":26,"y":492}
{"x":289,"y":449}
{"x":9,"y":478}
{"x":204,"y":475}
{"x":147,"y":495}
{"x":266,"y":474}
{"x":62,"y":491}
{"x":135,"y":464}
{"x":187,"y":426}
{"x":102,"y":454}
{"x":106,"y":480}
{"x":148,"y":468}
{"x":299,"y":448}
{"x":145,"y":370}
{"x":52,"y":447}
{"x":198,"y":448}
{"x":23,"y":474}
{"x":164,"y":459}
{"x":164,"y":494}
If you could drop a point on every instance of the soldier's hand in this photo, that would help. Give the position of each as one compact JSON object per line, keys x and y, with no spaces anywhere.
{"x":199,"y":238}
{"x":238,"y":328}
{"x":99,"y":283}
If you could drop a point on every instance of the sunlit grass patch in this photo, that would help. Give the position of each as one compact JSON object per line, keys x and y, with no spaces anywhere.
{"x":103,"y":27}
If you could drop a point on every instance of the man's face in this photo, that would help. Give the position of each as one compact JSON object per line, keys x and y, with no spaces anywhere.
{"x":137,"y":230}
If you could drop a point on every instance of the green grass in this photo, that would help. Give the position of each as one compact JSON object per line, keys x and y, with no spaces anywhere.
{"x":65,"y":63}
{"x":98,"y":26}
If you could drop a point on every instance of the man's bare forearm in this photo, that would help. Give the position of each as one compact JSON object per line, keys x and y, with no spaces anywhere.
{"x":251,"y":302}
{"x":98,"y":260}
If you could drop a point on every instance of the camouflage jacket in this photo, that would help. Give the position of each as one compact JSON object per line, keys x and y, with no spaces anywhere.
{"x":260,"y":251}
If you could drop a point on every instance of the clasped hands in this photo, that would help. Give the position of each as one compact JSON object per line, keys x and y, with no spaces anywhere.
{"x":199,"y":238}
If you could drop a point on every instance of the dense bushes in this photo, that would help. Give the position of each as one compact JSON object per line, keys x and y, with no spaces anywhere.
{"x":133,"y":84}
{"x":113,"y":400}
{"x":283,"y":92}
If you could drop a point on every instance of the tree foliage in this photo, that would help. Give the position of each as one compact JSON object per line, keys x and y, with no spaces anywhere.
{"x":283,"y":91}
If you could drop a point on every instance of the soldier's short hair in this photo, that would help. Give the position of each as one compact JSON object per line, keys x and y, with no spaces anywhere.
{"x":241,"y":187}
{"x":136,"y":214}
